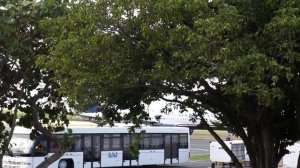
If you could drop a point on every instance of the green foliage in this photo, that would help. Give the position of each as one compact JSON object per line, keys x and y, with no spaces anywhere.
{"x":199,"y":157}
{"x":68,"y":138}
{"x":134,"y":144}
{"x":21,"y":41}
{"x":236,"y":58}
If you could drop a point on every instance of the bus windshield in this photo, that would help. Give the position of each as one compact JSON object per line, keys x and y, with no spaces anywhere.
{"x":21,"y":144}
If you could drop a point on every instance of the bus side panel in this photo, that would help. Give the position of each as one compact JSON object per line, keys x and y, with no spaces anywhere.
{"x":87,"y":165}
{"x":96,"y":164}
{"x":183,"y":155}
{"x":290,"y":160}
{"x":111,"y":158}
{"x":37,"y":160}
{"x":151,"y":157}
{"x":76,"y":157}
{"x":16,"y":161}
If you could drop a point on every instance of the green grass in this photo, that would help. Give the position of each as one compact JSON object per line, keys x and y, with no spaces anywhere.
{"x":199,"y":157}
{"x":204,"y":134}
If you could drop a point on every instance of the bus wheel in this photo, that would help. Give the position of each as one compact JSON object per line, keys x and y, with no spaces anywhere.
{"x":63,"y":164}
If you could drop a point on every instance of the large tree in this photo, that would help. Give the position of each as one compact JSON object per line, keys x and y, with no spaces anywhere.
{"x":236,"y":58}
{"x":23,"y":86}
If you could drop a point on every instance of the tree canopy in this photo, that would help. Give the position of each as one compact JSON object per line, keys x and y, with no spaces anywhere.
{"x":238,"y":59}
{"x":24,"y":87}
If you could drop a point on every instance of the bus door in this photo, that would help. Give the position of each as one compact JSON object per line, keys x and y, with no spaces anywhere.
{"x":171,"y":148}
{"x":96,"y":147}
{"x":91,"y":151}
{"x":87,"y":151}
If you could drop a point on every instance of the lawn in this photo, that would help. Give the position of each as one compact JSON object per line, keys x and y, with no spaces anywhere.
{"x":199,"y":157}
{"x":204,"y":134}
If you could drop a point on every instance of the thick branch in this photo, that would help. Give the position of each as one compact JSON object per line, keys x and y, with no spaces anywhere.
{"x":14,"y":119}
{"x":61,"y":148}
{"x":221,"y":142}
{"x":38,"y":126}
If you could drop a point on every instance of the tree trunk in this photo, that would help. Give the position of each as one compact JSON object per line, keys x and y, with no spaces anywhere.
{"x":13,"y":125}
{"x":221,"y":142}
{"x":298,"y":163}
{"x":9,"y":134}
{"x":1,"y":158}
{"x":266,"y":151}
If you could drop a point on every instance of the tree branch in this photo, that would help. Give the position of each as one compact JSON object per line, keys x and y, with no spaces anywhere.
{"x":220,"y":141}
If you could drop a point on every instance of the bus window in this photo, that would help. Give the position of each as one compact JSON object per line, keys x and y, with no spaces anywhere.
{"x":168,"y":146}
{"x":145,"y":144}
{"x":87,"y":148}
{"x":106,"y":139}
{"x":111,"y":142}
{"x":152,"y":141}
{"x":174,"y":145}
{"x":53,"y":147}
{"x":183,"y":141}
{"x":76,"y":144}
{"x":126,"y":152}
{"x":116,"y":142}
{"x":40,"y":148}
{"x":96,"y":147}
{"x":157,"y":141}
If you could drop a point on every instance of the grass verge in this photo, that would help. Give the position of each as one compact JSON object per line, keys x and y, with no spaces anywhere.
{"x":199,"y":157}
{"x":204,"y":134}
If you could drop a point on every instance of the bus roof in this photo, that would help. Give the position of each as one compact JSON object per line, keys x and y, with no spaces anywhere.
{"x":83,"y":127}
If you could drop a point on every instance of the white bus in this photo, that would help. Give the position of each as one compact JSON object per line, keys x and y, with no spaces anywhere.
{"x":94,"y":146}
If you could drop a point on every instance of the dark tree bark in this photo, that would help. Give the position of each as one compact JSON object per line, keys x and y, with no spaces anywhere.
{"x":267,"y":153}
{"x":13,"y":125}
{"x":11,"y":131}
{"x":298,"y":163}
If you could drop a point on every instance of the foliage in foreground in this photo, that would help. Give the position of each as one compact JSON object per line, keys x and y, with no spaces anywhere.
{"x":24,"y":86}
{"x":238,"y":59}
